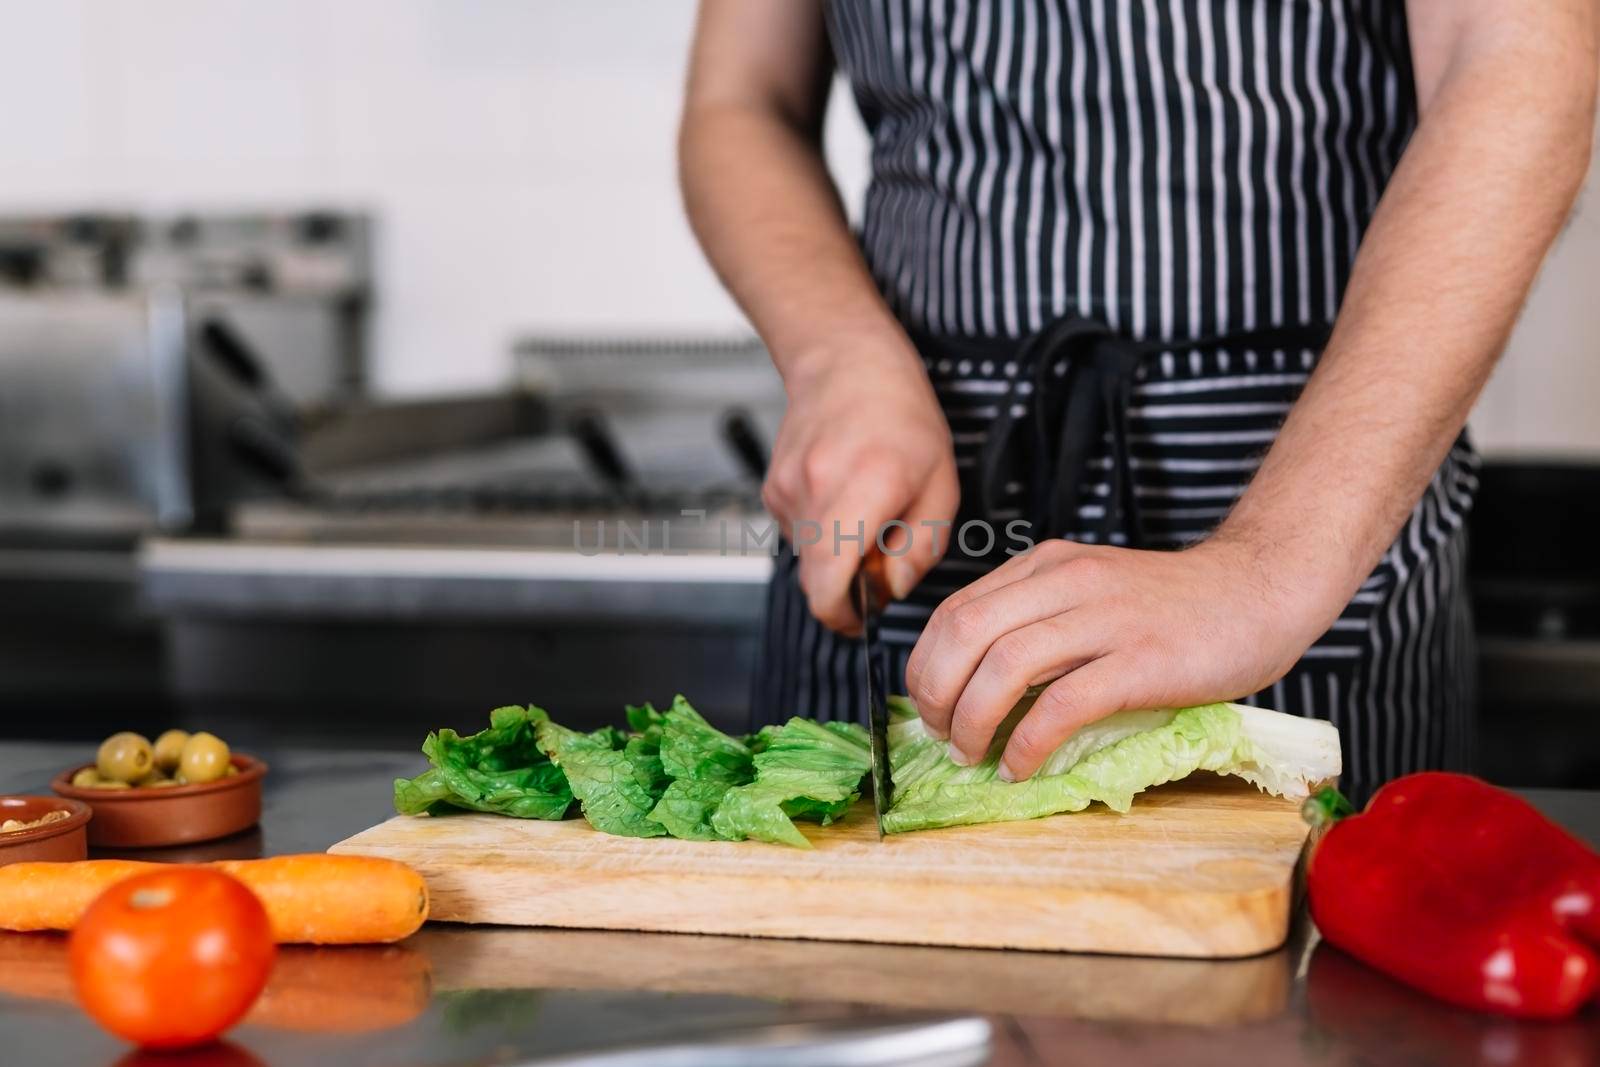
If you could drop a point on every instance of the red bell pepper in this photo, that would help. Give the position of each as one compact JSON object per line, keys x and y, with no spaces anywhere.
{"x":1462,"y":890}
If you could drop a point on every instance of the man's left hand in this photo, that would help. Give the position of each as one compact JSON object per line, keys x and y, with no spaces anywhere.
{"x":1115,"y":628}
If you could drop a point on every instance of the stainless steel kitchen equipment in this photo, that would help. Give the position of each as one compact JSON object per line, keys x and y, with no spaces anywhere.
{"x":664,"y":437}
{"x":443,"y":556}
{"x":293,"y":286}
{"x":153,"y":372}
{"x":151,"y":369}
{"x":93,"y":418}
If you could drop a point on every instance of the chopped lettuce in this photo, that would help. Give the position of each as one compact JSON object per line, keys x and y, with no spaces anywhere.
{"x":644,"y":757}
{"x":686,"y":807}
{"x":500,"y":770}
{"x":642,"y":718}
{"x":1109,"y":761}
{"x":642,"y":748}
{"x":613,"y":787}
{"x":673,"y":773}
{"x":807,"y":770}
{"x":693,"y":748}
{"x":703,"y":764}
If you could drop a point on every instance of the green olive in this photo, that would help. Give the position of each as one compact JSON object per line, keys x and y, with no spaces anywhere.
{"x":161,"y":783}
{"x":124,"y":757}
{"x":87,"y":778}
{"x":205,"y":758}
{"x":108,"y":784}
{"x":169,"y":750}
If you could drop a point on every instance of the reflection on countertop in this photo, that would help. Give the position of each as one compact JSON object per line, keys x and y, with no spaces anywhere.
{"x":492,"y":995}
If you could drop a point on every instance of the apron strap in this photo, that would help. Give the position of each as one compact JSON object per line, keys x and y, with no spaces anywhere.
{"x":1081,"y":377}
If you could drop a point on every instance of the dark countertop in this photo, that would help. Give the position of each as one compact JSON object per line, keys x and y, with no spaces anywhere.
{"x":455,"y":995}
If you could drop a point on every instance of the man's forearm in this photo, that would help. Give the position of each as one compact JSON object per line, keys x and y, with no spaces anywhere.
{"x":863,"y":442}
{"x":769,"y":218}
{"x":1456,"y":242}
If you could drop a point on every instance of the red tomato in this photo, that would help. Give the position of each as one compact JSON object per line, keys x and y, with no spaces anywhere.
{"x":171,"y":958}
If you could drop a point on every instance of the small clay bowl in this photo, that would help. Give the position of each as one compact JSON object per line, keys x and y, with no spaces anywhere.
{"x":174,"y":815}
{"x":60,"y":840}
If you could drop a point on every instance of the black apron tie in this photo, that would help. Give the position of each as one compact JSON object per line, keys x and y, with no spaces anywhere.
{"x":1081,"y":378}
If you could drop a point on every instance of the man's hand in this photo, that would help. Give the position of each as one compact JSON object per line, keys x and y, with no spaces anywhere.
{"x":1507,"y":96}
{"x":863,"y":442}
{"x":1115,"y":628}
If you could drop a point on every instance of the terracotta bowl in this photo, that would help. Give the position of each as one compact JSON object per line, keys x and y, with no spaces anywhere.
{"x":60,"y":840}
{"x":175,"y":815}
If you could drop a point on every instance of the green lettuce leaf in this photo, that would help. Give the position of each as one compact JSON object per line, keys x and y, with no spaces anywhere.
{"x":693,"y":748}
{"x":644,"y":757}
{"x":807,"y":770}
{"x":500,"y":770}
{"x":613,"y":784}
{"x":642,"y":717}
{"x":686,"y":807}
{"x":643,"y":747}
{"x":1109,"y":761}
{"x":703,"y":764}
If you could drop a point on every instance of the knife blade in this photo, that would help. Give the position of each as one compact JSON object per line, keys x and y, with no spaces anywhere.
{"x":871,"y":595}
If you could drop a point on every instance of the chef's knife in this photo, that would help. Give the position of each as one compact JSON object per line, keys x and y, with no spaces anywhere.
{"x":872,"y":593}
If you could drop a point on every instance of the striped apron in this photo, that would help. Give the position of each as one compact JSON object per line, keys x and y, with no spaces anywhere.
{"x":1155,"y":204}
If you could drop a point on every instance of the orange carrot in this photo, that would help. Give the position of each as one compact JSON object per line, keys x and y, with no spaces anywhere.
{"x":313,"y":898}
{"x":52,"y":896}
{"x":335,"y":900}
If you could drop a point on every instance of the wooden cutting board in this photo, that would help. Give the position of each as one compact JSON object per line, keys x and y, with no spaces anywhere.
{"x":1199,"y":868}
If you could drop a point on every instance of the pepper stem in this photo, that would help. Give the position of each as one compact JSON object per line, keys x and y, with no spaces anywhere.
{"x":1325,"y":807}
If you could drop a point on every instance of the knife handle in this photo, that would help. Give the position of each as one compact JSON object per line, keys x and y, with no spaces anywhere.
{"x":874,"y":570}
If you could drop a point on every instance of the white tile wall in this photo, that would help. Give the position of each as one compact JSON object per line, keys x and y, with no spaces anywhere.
{"x":519,"y":156}
{"x":1544,"y":398}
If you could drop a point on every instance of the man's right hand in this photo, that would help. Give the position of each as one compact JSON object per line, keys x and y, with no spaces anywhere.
{"x":863,"y":443}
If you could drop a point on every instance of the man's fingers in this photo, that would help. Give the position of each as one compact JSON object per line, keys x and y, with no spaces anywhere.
{"x":1019,"y":659}
{"x":960,"y":636}
{"x":778,"y":504}
{"x":783,"y":489}
{"x":1078,"y":698}
{"x":849,"y":525}
{"x":1042,"y":556}
{"x":926,"y":535}
{"x":1014,"y":569}
{"x":924,"y":656}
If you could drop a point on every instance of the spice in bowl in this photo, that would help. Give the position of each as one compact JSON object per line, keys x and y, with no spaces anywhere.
{"x":11,"y":826}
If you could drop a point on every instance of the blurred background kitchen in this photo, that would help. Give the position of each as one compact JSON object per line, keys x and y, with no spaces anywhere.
{"x":321,"y":324}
